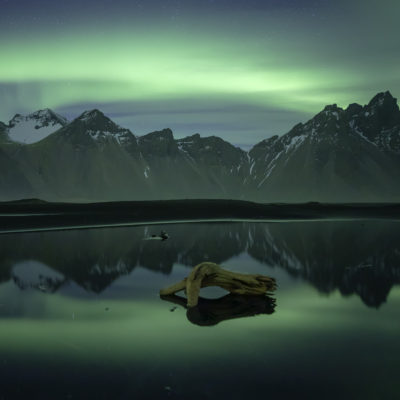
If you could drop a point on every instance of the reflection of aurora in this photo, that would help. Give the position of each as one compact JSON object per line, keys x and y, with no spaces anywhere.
{"x":138,"y":341}
{"x":354,"y":257}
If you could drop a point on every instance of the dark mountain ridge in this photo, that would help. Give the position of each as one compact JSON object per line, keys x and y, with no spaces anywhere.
{"x":340,"y":155}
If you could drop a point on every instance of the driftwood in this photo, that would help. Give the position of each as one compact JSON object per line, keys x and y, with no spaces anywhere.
{"x":211,"y":274}
{"x":210,"y":312}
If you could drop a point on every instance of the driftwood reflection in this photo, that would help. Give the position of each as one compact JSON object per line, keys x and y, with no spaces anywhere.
{"x":209,"y":312}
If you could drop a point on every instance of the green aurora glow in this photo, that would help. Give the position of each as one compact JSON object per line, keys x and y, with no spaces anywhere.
{"x":243,"y":75}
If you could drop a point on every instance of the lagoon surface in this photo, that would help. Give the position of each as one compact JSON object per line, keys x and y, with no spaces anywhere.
{"x":81,"y":318}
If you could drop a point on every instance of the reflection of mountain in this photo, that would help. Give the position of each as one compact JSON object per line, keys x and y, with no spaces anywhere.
{"x":354,"y":257}
{"x":360,"y":258}
{"x":34,"y":275}
{"x":95,"y":258}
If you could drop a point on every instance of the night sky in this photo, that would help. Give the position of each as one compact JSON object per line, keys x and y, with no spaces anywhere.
{"x":240,"y":69}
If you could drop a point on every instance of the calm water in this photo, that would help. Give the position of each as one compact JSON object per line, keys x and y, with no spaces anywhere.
{"x":80,"y":315}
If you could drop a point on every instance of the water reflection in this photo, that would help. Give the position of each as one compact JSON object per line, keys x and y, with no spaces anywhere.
{"x":35,"y":275}
{"x":360,"y":258}
{"x":210,"y":312}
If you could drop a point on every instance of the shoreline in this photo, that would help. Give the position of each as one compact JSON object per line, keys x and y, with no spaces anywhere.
{"x":193,"y":221}
{"x":33,"y":216}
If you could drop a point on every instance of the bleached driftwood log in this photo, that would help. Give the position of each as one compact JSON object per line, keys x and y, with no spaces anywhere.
{"x":211,"y":274}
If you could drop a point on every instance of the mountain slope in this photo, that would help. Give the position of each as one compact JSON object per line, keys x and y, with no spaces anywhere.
{"x":90,"y":158}
{"x":221,"y":163}
{"x":13,"y":181}
{"x":192,"y":167}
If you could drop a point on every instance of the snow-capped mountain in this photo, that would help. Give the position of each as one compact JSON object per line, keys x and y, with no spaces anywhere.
{"x":94,"y":126}
{"x":350,"y":154}
{"x":339,"y":155}
{"x":91,"y":157}
{"x":378,"y":122}
{"x":34,"y":127}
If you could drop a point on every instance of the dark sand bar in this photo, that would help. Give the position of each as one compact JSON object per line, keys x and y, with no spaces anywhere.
{"x":33,"y":214}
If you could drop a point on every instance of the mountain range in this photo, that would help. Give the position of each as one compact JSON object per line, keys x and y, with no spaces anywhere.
{"x":340,"y":155}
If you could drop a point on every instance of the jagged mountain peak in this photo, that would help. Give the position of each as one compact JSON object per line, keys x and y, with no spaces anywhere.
{"x":381,"y":98}
{"x":164,"y":134}
{"x":384,"y":106}
{"x":159,"y":144}
{"x":95,"y":121}
{"x":47,"y":113}
{"x":209,"y":144}
{"x":90,"y":115}
{"x":354,"y":109}
{"x":381,"y":101}
{"x":17,"y":118}
{"x":380,"y":114}
{"x":215,"y":140}
{"x":329,"y":113}
{"x":355,"y":149}
{"x":43,"y":117}
{"x":214,"y":152}
{"x":206,"y":141}
{"x":35,"y":126}
{"x":92,"y":127}
{"x":190,"y":139}
{"x":332,"y":108}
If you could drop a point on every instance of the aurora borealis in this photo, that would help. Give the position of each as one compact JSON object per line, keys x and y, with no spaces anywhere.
{"x":243,"y":70}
